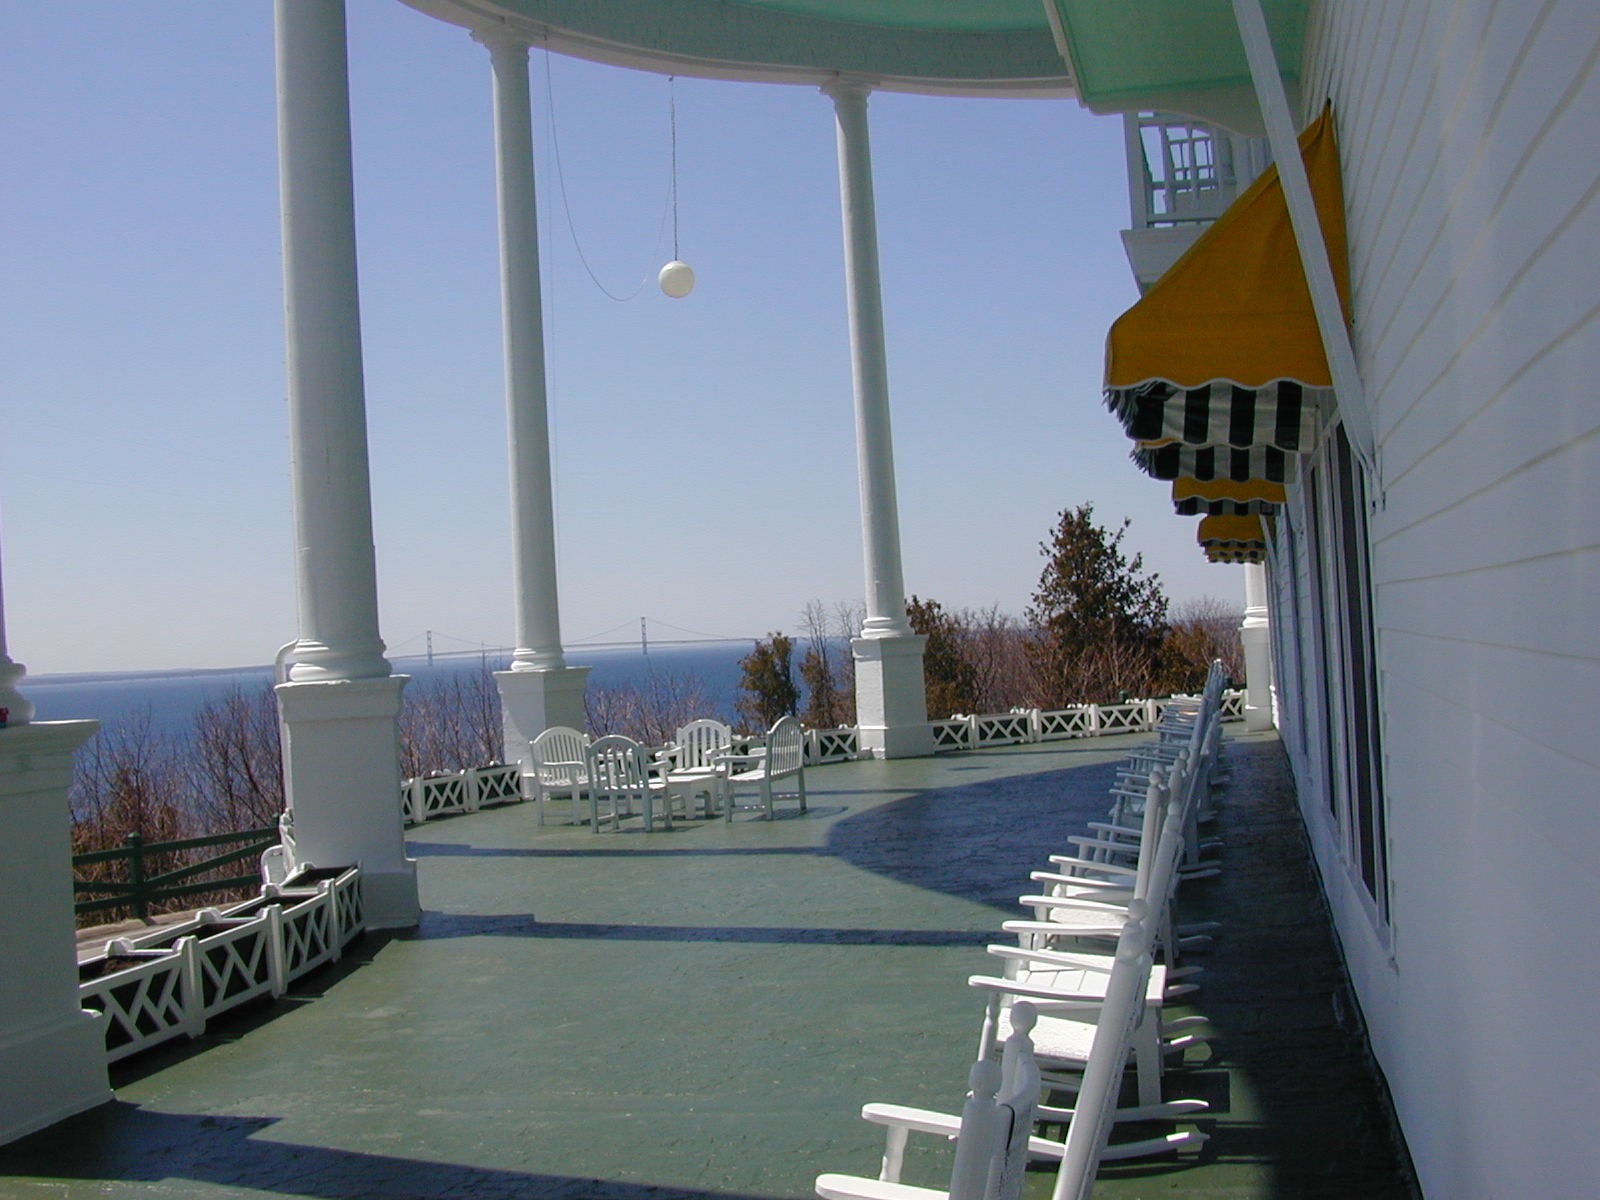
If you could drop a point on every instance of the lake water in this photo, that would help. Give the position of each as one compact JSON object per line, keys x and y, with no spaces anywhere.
{"x":172,"y":698}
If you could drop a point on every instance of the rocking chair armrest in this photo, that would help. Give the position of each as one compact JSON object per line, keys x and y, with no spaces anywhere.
{"x":1077,"y":904}
{"x":923,"y":1120}
{"x":1055,"y":929}
{"x":1047,"y":998}
{"x":1056,"y":932}
{"x":1067,"y":860}
{"x":1079,"y":880}
{"x":1117,"y":846}
{"x":1054,"y":958}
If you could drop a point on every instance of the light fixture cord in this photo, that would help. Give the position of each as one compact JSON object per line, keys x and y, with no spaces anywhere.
{"x":561,"y":181}
{"x":672,"y":110}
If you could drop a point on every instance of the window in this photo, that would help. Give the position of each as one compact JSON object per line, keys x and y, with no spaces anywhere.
{"x":1340,"y":595}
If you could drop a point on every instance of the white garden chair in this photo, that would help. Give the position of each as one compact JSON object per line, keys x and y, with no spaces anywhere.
{"x":693,"y":759}
{"x":559,"y":769}
{"x":992,"y":1136}
{"x":621,"y":775}
{"x":780,"y":758}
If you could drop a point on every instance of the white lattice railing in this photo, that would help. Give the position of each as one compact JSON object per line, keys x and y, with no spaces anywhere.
{"x":1045,"y":725}
{"x":832,"y":745}
{"x":171,"y":981}
{"x":450,"y":792}
{"x":446,"y":793}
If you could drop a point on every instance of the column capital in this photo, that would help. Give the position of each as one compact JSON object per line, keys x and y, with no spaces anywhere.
{"x":848,"y":89}
{"x":19,"y":709}
{"x":499,"y":40}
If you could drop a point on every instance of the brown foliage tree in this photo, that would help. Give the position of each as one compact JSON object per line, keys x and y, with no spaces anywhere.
{"x":767,"y":689}
{"x":950,"y":679}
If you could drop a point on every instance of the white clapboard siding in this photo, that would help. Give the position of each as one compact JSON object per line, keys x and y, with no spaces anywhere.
{"x":1468,"y":139}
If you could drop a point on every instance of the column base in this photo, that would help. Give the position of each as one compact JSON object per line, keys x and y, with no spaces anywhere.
{"x":1256,"y":636}
{"x":341,"y":766}
{"x":51,"y":1074}
{"x":390,"y":898}
{"x":891,"y":697}
{"x":533,"y":701}
{"x":52,"y":1053}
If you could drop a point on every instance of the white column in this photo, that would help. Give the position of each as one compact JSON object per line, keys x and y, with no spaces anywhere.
{"x":1256,"y":634}
{"x":335,"y":572}
{"x":52,"y":1052}
{"x":539,"y":690}
{"x":340,"y":707}
{"x":890,"y":697}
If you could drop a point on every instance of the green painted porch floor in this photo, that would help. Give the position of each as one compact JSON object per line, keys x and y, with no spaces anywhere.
{"x":702,"y":1013}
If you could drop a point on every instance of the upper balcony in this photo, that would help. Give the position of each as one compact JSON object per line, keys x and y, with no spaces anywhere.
{"x":1182,"y":175}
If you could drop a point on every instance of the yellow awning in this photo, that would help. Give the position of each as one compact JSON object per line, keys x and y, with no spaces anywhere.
{"x":1236,"y":307}
{"x":1261,"y":490}
{"x":1234,"y":539}
{"x":1226,"y":497}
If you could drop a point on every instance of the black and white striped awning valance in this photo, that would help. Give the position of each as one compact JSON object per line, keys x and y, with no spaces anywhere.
{"x":1236,"y":554}
{"x":1235,"y":538}
{"x":1217,"y":462}
{"x":1194,"y":506}
{"x":1282,"y":415}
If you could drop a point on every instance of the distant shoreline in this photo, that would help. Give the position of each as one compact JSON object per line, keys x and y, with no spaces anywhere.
{"x":575,"y":654}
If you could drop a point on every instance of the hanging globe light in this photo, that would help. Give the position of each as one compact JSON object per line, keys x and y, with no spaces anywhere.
{"x":677,"y":279}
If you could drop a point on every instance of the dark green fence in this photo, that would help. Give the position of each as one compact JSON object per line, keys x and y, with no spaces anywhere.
{"x":161,"y":871}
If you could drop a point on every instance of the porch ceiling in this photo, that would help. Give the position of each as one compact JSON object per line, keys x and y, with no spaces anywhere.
{"x":1176,"y":55}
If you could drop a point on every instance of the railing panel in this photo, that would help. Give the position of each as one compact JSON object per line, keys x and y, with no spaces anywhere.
{"x":308,"y":933}
{"x":143,"y":1003}
{"x":498,"y":783}
{"x":832,"y":745}
{"x":235,"y":964}
{"x":1002,"y":729}
{"x":1065,"y":723}
{"x":951,"y":734}
{"x":1122,"y":718}
{"x":437,"y":795}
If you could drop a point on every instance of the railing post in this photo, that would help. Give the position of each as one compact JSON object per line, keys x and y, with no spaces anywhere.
{"x":134,"y":845}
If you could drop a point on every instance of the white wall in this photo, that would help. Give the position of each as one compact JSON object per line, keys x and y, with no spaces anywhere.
{"x":1470,"y":137}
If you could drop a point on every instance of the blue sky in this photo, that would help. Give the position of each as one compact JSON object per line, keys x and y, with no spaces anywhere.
{"x":704,"y":448}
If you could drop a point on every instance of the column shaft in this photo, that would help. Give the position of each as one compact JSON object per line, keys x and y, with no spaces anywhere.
{"x":880,"y":516}
{"x":538,"y":618}
{"x":1255,"y":634}
{"x":335,"y":570}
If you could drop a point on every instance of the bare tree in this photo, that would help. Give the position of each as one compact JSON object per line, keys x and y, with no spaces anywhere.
{"x":236,"y":765}
{"x":128,"y":780}
{"x":651,"y":713}
{"x":450,"y":723}
{"x":827,"y":669}
{"x":1201,"y":630}
{"x":999,"y":650}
